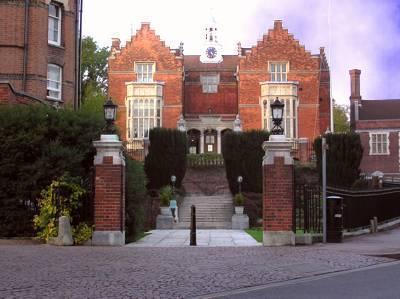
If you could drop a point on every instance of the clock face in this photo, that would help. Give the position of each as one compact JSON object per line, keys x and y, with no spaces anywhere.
{"x":211,"y":52}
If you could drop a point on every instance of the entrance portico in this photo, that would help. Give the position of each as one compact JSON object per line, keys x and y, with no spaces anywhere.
{"x":205,"y":133}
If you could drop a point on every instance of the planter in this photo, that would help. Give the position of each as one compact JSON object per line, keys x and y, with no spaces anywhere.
{"x":166,"y":211}
{"x":239,"y":210}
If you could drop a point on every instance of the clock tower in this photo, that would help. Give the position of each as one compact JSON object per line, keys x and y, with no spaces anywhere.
{"x":212,"y":50}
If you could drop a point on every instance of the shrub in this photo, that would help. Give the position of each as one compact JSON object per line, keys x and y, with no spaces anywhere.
{"x":166,"y":157}
{"x":343,"y":158}
{"x":238,"y":199}
{"x":39,"y":144}
{"x":165,"y":196}
{"x":63,"y":197}
{"x":81,"y":233}
{"x":243,"y":156}
{"x":136,"y":200}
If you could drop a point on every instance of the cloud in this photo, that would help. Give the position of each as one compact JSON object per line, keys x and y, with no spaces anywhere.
{"x":361,"y":34}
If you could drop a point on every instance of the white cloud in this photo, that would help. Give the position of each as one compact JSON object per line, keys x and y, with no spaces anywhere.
{"x":361,"y":34}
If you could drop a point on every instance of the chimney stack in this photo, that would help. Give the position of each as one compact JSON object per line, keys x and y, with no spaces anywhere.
{"x":355,"y":85}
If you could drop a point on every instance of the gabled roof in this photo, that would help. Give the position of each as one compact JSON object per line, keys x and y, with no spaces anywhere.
{"x":193,"y":63}
{"x":379,"y":109}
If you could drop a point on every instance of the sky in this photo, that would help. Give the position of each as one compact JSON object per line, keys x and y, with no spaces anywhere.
{"x":363,"y":34}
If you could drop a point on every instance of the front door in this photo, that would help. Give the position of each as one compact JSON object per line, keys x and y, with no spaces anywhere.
{"x":210,"y":141}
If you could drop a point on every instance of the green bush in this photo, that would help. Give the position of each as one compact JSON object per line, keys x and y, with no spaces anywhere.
{"x":243,"y":156}
{"x":136,"y":200}
{"x":39,"y":144}
{"x":63,"y":197}
{"x":166,"y":157}
{"x":343,"y":158}
{"x":238,"y":200}
{"x":165,"y":196}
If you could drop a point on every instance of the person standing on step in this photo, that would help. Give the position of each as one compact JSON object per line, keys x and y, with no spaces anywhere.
{"x":172,"y":206}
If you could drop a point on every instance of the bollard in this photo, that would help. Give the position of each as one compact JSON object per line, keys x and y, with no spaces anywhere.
{"x":193,"y":226}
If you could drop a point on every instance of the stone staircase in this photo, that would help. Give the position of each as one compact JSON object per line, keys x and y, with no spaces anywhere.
{"x":211,"y":211}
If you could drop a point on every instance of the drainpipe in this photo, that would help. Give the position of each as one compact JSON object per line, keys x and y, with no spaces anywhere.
{"x":26,"y":33}
{"x":78,"y":52}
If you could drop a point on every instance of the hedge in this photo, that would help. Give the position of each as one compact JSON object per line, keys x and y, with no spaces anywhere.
{"x":343,"y":158}
{"x":136,"y":200}
{"x":243,"y":156}
{"x":166,"y":157}
{"x":39,"y":144}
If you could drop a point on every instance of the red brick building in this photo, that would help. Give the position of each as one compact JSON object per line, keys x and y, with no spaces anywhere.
{"x":39,"y":46}
{"x":378,"y":123}
{"x":209,"y":94}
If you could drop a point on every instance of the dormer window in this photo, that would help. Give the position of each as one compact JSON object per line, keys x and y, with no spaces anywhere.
{"x":144,"y":71}
{"x":278,"y":71}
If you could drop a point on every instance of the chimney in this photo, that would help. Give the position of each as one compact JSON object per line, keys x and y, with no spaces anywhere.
{"x":355,"y":85}
{"x":355,"y":98}
{"x":278,"y":25}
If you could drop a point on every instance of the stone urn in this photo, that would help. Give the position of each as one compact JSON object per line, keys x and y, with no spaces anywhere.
{"x":239,"y":210}
{"x":165,"y":211}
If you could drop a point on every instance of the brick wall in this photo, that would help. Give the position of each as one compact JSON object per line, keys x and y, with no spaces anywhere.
{"x":278,"y":196}
{"x":40,"y":53}
{"x":146,"y":46}
{"x":108,"y":192}
{"x":314,"y":99}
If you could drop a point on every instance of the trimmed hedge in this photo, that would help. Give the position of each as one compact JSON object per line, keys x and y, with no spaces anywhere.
{"x":166,"y":157}
{"x":343,"y":158}
{"x":39,"y":144}
{"x":243,"y":156}
{"x":136,"y":200}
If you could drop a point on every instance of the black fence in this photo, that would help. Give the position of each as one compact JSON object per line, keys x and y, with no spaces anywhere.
{"x":307,"y":209}
{"x":361,"y":206}
{"x":136,"y":149}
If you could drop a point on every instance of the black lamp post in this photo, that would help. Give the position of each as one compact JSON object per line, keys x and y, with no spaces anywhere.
{"x":240,"y":180}
{"x":110,"y":114}
{"x":173,"y":180}
{"x":277,"y":116}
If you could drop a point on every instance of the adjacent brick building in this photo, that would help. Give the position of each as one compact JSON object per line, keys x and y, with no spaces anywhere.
{"x":378,"y":123}
{"x":209,"y":94}
{"x":39,"y":46}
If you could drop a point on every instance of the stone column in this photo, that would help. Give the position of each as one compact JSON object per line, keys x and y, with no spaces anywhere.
{"x":304,"y":155}
{"x":109,"y":200}
{"x":278,"y":192}
{"x":201,"y":141}
{"x":218,"y":141}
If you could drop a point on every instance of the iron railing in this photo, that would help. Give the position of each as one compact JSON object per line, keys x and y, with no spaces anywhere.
{"x":307,"y":208}
{"x":360,"y":206}
{"x":136,"y":149}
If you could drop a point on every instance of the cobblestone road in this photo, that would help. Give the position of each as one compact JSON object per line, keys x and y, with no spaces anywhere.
{"x":98,"y":272}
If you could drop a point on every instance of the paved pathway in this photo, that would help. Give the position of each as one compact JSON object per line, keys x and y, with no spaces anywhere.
{"x":181,"y":238}
{"x":386,"y":242}
{"x":44,"y":271}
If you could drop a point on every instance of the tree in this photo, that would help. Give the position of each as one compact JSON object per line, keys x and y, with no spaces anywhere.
{"x":340,"y":119}
{"x":93,"y":68}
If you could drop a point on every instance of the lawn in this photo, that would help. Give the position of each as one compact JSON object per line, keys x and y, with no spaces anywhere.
{"x":256,"y":233}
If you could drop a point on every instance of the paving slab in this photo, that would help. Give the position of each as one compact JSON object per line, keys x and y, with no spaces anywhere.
{"x":205,"y":237}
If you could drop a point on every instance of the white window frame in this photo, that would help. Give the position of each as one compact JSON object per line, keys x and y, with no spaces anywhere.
{"x":143,"y":116}
{"x":147,"y":75}
{"x":275,"y":69}
{"x":373,"y":147}
{"x":59,"y":90}
{"x":210,"y":83}
{"x":59,"y":19}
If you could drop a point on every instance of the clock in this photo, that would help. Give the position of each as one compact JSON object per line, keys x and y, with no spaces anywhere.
{"x":211,"y":52}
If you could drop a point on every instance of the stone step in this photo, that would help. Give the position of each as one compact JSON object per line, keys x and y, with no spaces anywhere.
{"x":204,"y":225}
